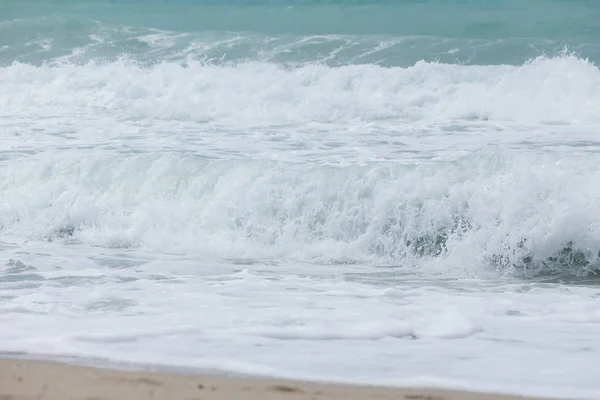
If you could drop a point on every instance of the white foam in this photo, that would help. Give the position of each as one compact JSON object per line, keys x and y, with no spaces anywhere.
{"x":355,"y":113}
{"x":558,"y":90}
{"x":297,"y":325}
{"x":450,"y":324}
{"x":353,"y":331}
{"x":490,"y":210}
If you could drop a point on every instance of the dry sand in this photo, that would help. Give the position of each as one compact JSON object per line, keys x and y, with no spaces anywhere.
{"x":29,"y":379}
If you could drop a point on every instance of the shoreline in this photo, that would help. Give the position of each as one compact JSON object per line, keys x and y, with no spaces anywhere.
{"x":24,"y":377}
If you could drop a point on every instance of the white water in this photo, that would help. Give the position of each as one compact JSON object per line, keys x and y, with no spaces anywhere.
{"x":381,"y":213}
{"x":254,"y":110}
{"x":355,"y":223}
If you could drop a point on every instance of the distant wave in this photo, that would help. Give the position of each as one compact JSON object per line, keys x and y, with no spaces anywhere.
{"x":58,"y":38}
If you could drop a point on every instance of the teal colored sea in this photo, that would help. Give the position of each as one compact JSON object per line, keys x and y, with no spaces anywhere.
{"x":385,"y":192}
{"x":386,"y":33}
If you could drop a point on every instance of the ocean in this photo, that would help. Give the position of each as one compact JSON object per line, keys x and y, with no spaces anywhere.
{"x":388,"y":192}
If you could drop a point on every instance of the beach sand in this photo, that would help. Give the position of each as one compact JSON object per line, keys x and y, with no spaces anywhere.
{"x":31,"y":379}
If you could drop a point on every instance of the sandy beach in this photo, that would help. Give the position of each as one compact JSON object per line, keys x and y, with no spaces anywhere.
{"x":31,"y":379}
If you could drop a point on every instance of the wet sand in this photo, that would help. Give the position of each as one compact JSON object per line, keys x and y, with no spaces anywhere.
{"x":32,"y":379}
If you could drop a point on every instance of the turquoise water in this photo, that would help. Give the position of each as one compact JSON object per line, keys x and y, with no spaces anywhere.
{"x":388,"y":33}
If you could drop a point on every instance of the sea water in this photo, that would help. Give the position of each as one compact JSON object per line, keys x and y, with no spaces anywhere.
{"x":389,"y":192}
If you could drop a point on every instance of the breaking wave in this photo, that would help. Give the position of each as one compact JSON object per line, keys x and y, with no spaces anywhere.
{"x":510,"y":212}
